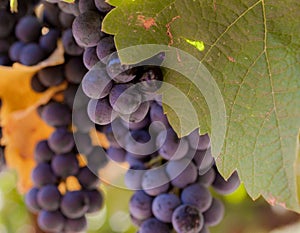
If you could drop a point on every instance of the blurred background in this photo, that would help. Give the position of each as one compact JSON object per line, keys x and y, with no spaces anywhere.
{"x":242,"y":214}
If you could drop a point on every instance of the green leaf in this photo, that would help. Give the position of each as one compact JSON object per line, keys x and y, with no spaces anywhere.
{"x":252,"y":52}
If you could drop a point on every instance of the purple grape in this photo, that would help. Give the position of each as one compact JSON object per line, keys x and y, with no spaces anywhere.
{"x":75,"y":225}
{"x":204,"y":160}
{"x":36,"y":84}
{"x":28,"y":29}
{"x":51,"y":76}
{"x":69,"y":43}
{"x":224,"y":187}
{"x":56,"y":114}
{"x":51,"y":15}
{"x":155,"y":181}
{"x":43,"y":152}
{"x":48,"y":42}
{"x":134,"y":175}
{"x":103,"y":6}
{"x":124,"y":98}
{"x":153,"y":225}
{"x":214,"y":215}
{"x":61,"y":141}
{"x":181,"y":172}
{"x":15,"y":50}
{"x":115,"y":133}
{"x":65,"y":165}
{"x":87,"y":178}
{"x":199,"y":142}
{"x":74,"y":204}
{"x":105,"y":47}
{"x":31,"y":54}
{"x":42,"y":175}
{"x":139,"y":115}
{"x":140,"y":142}
{"x":75,"y":70}
{"x":96,"y":84}
{"x":31,"y":200}
{"x":118,"y":72}
{"x":86,"y":5}
{"x":164,"y":205}
{"x":171,"y":147}
{"x":90,"y":57}
{"x":137,"y":125}
{"x":187,"y":219}
{"x":49,"y":197}
{"x":51,"y":221}
{"x":100,"y":111}
{"x":136,"y":221}
{"x":116,"y":154}
{"x":208,"y":178}
{"x":140,"y":205}
{"x":65,"y":19}
{"x":95,"y":200}
{"x":86,"y":29}
{"x":197,"y":195}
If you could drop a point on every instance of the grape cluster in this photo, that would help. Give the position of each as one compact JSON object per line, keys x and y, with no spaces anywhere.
{"x":60,"y":206}
{"x":25,"y":37}
{"x":171,"y":175}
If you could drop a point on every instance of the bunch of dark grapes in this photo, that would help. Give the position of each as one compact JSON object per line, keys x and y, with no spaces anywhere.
{"x":25,"y":37}
{"x":59,"y":207}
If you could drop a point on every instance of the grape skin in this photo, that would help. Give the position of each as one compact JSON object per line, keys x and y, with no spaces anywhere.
{"x":31,"y":200}
{"x":155,"y":181}
{"x":224,"y":187}
{"x":61,"y":141}
{"x":214,"y":215}
{"x":74,"y":204}
{"x":96,"y":84}
{"x":87,"y":178}
{"x":49,"y":197}
{"x":51,"y":221}
{"x":42,"y":175}
{"x":187,"y":219}
{"x":153,"y":225}
{"x":43,"y":152}
{"x":140,"y":205}
{"x":181,"y":172}
{"x":197,"y":195}
{"x":100,"y":111}
{"x":164,"y":205}
{"x":65,"y":165}
{"x":86,"y":29}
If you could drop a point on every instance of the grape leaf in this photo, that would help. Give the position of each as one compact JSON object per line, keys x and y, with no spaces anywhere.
{"x":251,"y":48}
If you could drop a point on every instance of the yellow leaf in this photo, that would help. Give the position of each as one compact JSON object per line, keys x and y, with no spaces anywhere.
{"x":22,"y":127}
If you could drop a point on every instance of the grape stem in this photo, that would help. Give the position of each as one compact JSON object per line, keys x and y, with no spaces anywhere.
{"x":14,"y":6}
{"x":155,"y":161}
